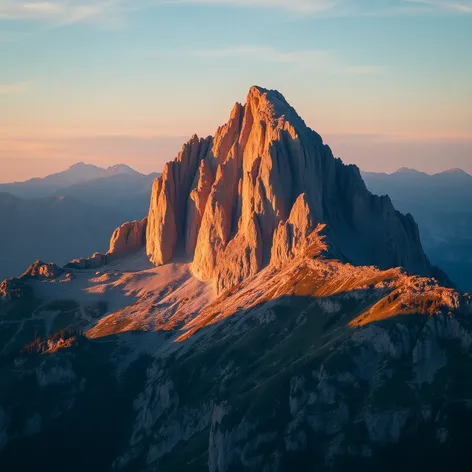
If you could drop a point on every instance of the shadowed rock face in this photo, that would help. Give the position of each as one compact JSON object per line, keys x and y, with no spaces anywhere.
{"x":40,"y":270}
{"x":168,"y":208}
{"x":128,"y":238}
{"x":249,"y":196}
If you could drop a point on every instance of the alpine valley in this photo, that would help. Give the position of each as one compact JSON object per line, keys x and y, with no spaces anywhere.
{"x":270,"y":314}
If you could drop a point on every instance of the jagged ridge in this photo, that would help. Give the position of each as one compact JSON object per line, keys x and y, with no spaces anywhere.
{"x":251,"y":194}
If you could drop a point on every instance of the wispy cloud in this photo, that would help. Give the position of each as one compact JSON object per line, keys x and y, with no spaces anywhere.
{"x":340,"y":7}
{"x":302,"y":59}
{"x":445,"y":5}
{"x":62,"y":11}
{"x":302,"y":6}
{"x":106,"y":12}
{"x":13,"y":88}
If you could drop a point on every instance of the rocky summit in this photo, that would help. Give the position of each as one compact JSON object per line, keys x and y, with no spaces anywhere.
{"x":250,"y":195}
{"x":270,"y":315}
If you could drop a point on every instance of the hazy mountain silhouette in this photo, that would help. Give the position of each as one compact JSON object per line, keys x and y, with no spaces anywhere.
{"x":68,"y":215}
{"x":53,"y":229}
{"x":442,"y":206}
{"x":79,"y":173}
{"x":129,"y":191}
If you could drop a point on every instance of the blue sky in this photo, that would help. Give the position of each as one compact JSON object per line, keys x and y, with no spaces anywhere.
{"x":388,"y":83}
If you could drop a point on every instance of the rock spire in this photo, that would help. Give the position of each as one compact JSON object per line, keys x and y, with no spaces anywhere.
{"x":253,"y":193}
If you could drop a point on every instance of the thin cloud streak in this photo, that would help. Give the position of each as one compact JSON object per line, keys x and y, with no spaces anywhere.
{"x":110,"y":12}
{"x":62,"y":12}
{"x":303,"y":59}
{"x":301,"y":6}
{"x":451,"y":6}
{"x":341,"y":7}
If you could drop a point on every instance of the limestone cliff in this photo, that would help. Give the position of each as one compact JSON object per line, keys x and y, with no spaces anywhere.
{"x":253,"y":193}
{"x":168,"y":208}
{"x":128,"y":238}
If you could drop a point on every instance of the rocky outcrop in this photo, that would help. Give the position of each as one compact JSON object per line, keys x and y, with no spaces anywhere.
{"x":40,"y":270}
{"x":14,"y":289}
{"x":128,"y":238}
{"x":20,"y":288}
{"x":93,"y":262}
{"x":291,"y":237}
{"x":252,"y":195}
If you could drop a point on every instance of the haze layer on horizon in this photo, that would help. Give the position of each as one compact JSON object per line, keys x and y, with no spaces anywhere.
{"x":386,"y":83}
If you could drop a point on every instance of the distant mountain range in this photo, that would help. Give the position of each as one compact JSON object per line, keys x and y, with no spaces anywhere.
{"x":454,"y":184}
{"x":79,"y":178}
{"x":442,"y":206}
{"x":69,"y":214}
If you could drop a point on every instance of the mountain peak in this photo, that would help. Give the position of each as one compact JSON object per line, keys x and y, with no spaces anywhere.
{"x":120,"y":169}
{"x":408,"y":170}
{"x":455,"y":171}
{"x":266,"y":95}
{"x":256,"y":89}
{"x":253,"y":195}
{"x":115,"y":169}
{"x":82,"y":165}
{"x":271,"y":104}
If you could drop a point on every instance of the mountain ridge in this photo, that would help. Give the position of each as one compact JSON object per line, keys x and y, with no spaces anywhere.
{"x":77,"y":174}
{"x":413,"y":171}
{"x":224,"y":197}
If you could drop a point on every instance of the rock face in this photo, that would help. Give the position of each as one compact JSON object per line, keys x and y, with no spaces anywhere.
{"x":168,"y":209}
{"x":292,"y":236}
{"x":93,"y":262}
{"x":253,"y":193}
{"x":128,"y":238}
{"x":40,"y":270}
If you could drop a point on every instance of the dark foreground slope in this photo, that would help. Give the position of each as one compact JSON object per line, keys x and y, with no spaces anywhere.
{"x":315,"y":366}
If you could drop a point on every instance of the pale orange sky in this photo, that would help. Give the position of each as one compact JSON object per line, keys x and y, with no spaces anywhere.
{"x":40,"y":157}
{"x":385,"y":83}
